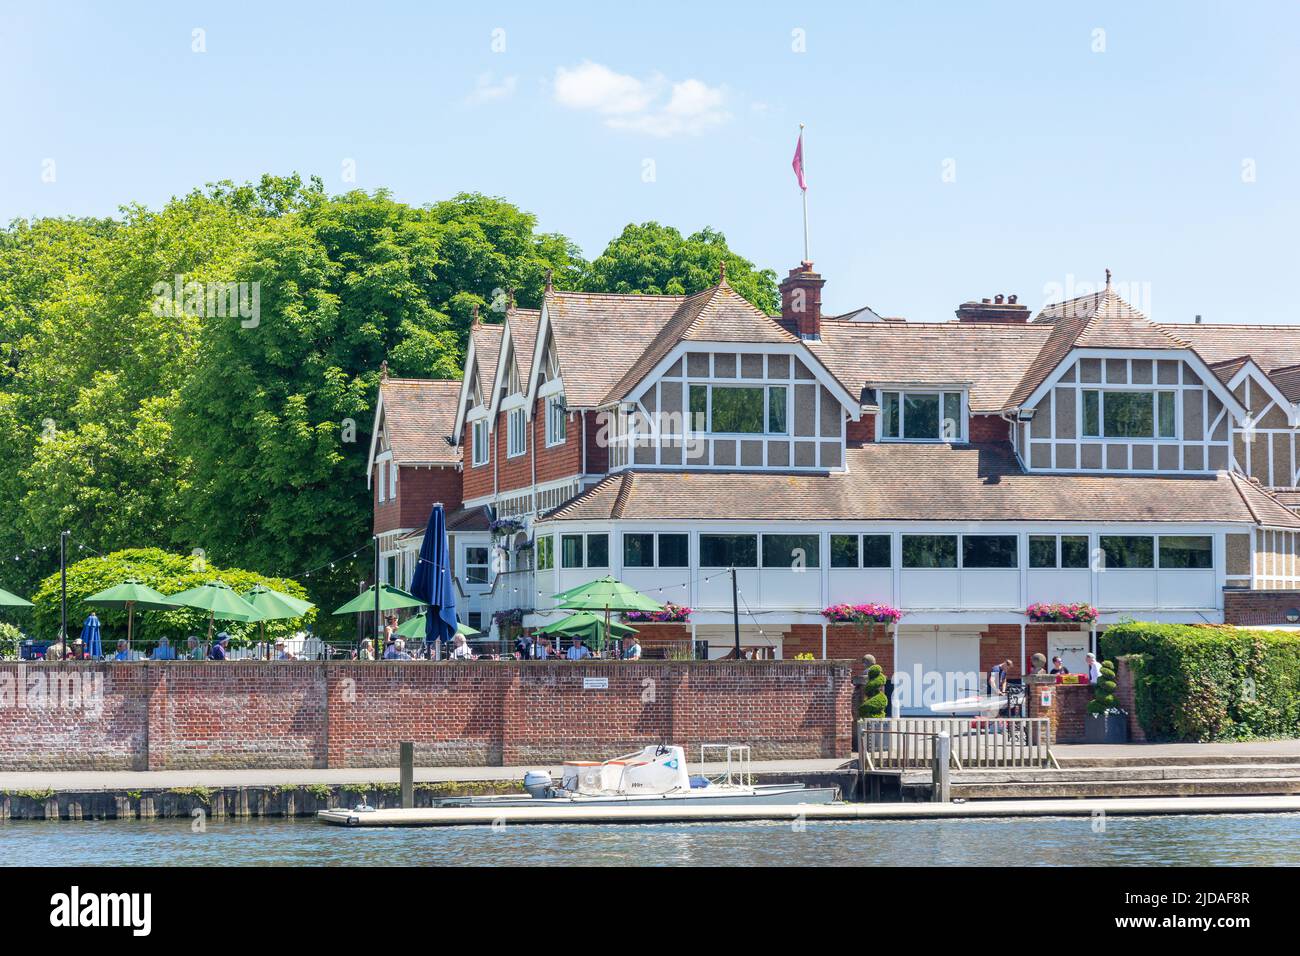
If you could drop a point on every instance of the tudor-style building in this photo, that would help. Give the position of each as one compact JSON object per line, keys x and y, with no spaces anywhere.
{"x":957,"y":470}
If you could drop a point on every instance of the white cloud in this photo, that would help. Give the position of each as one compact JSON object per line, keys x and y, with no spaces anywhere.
{"x":488,"y":88}
{"x":652,"y":106}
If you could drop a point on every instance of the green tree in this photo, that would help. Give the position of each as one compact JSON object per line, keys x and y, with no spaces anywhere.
{"x":656,"y":260}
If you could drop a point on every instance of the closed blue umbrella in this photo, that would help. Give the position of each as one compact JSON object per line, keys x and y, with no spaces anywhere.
{"x":432,"y":581}
{"x":90,"y":636}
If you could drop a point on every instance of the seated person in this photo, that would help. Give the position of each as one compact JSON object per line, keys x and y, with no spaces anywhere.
{"x":220,"y":647}
{"x":123,"y":654}
{"x":632,"y":649}
{"x":164,"y":651}
{"x":460,"y":650}
{"x":578,"y":650}
{"x":282,"y":652}
{"x":397,"y":651}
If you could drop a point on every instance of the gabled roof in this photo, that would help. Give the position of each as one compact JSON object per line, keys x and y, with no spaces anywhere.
{"x":901,"y":482}
{"x":607,"y":342}
{"x":990,"y":357}
{"x":1101,"y":320}
{"x":517,"y":339}
{"x":416,"y":415}
{"x":486,"y":339}
{"x":719,"y":314}
{"x":1287,"y":381}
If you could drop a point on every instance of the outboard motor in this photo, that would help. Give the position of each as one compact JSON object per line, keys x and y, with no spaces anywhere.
{"x":538,"y":783}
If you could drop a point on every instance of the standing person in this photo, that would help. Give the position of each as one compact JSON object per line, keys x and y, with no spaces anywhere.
{"x":390,"y":629}
{"x":1058,"y":667}
{"x":998,"y":678}
{"x":164,"y":651}
{"x":631,"y":649}
{"x":1094,"y":667}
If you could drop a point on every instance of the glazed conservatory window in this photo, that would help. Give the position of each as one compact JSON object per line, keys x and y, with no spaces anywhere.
{"x":791,"y":550}
{"x":728,"y":550}
{"x":989,"y":551}
{"x":929,"y":551}
{"x":1073,"y":552}
{"x":1115,"y":414}
{"x":1186,"y":552}
{"x":1128,"y":551}
{"x":921,"y":416}
{"x":860,"y":551}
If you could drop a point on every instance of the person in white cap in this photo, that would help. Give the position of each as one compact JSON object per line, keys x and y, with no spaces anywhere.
{"x":1094,"y":668}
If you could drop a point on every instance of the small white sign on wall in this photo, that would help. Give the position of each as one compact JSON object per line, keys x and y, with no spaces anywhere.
{"x":595,"y":683}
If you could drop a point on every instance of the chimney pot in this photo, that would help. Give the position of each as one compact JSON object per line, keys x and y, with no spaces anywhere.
{"x":998,"y":298}
{"x":1012,"y":299}
{"x":1001,"y":308}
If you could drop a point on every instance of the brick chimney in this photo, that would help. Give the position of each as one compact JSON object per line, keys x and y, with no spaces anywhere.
{"x":801,"y":301}
{"x":1001,"y":308}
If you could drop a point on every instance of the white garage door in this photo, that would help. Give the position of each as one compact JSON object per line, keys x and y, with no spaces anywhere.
{"x":935,"y":665}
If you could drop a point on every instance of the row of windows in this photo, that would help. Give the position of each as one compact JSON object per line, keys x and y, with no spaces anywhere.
{"x":517,"y":431}
{"x":919,"y":551}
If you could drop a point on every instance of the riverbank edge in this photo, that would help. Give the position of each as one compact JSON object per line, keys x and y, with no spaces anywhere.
{"x":286,"y":800}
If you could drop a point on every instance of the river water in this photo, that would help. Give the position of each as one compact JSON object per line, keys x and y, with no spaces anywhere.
{"x":1256,"y":840}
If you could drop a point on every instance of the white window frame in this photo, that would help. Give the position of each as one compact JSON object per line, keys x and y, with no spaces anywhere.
{"x":1103,"y":390}
{"x":902,"y":393}
{"x":392,"y":480}
{"x":486,"y":565}
{"x":516,"y":432}
{"x":381,"y":480}
{"x":479,"y":440}
{"x":753,"y":384}
{"x":556,"y":421}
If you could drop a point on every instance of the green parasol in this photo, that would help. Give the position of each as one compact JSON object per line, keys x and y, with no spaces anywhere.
{"x":275,"y":606}
{"x":605,"y":594}
{"x":219,"y":600}
{"x":587,"y":626}
{"x":415,"y":628}
{"x":131,"y":594}
{"x":12,"y":600}
{"x":390,"y":599}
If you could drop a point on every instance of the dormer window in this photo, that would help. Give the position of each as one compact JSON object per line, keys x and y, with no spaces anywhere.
{"x":921,"y":416}
{"x":480,"y":442}
{"x":1108,"y":413}
{"x":740,"y":410}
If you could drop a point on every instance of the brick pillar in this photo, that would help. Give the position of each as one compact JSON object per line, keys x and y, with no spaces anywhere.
{"x":512,"y":716}
{"x":1126,"y":697}
{"x":155,"y":734}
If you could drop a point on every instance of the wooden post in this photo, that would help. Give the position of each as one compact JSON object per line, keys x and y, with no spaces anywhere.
{"x":942,"y":757}
{"x":406,"y":773}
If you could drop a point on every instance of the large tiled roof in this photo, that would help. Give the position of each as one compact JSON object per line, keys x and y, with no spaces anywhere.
{"x":1287,"y":381}
{"x":609,"y":342}
{"x":989,"y":357}
{"x":1271,"y":346}
{"x":1101,"y":320}
{"x":418,"y":415}
{"x":901,"y":482}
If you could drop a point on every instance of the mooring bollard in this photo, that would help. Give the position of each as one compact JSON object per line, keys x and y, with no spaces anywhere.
{"x":406,"y":773}
{"x":942,"y":792}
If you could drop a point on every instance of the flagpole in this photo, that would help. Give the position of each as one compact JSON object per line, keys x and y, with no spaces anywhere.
{"x":803,"y":163}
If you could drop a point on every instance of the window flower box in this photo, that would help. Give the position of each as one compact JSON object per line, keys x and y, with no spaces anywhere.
{"x":1044,"y":613}
{"x":671,"y":614}
{"x":862,"y":614}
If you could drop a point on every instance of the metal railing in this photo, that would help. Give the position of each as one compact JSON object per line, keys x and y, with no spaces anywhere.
{"x":905,"y":743}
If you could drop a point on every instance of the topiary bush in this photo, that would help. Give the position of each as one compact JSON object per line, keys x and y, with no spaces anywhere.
{"x":1103,"y":695}
{"x":1210,"y":682}
{"x":164,"y":572}
{"x":874,"y":701}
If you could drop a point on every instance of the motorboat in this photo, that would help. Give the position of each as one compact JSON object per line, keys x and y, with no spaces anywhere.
{"x":655,"y":776}
{"x":974,"y":705}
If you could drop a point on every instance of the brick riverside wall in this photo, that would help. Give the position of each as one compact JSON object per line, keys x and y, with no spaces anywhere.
{"x":1258,"y":607}
{"x":159,"y":716}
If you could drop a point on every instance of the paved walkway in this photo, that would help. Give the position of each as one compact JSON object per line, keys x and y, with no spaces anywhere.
{"x":1249,"y":748}
{"x":86,"y":780}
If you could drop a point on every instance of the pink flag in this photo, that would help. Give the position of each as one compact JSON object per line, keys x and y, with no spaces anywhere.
{"x":798,"y":163}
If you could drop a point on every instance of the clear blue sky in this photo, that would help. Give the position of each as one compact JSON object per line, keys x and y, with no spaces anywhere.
{"x":1066,"y":160}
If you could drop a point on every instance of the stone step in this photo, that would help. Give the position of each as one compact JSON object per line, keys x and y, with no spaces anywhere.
{"x":1138,"y":759}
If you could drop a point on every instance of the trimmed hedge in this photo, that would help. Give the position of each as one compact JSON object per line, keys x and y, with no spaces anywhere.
{"x":1197,"y":682}
{"x":168,"y":573}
